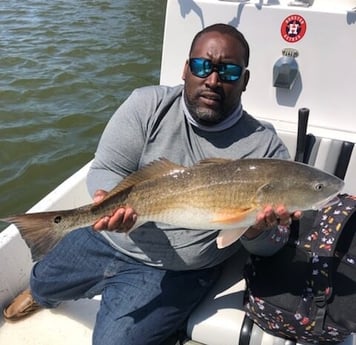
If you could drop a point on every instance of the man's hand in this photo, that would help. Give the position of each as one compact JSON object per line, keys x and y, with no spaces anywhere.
{"x":122,"y":220}
{"x":269,"y":218}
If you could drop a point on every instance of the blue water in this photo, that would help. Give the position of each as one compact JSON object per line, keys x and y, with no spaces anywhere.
{"x":65,"y":66}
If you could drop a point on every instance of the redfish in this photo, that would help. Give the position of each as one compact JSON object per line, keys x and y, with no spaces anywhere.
{"x":213,"y":194}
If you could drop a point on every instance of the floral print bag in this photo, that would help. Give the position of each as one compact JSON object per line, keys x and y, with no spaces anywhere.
{"x":307,"y":291}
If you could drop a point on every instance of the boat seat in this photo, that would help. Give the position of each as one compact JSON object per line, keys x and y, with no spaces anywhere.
{"x":334,"y":156}
{"x":220,"y":319}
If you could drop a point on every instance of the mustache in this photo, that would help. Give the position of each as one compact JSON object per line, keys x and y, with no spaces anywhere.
{"x":217,"y":95}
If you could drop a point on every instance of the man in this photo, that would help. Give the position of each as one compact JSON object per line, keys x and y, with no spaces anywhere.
{"x":152,"y":279}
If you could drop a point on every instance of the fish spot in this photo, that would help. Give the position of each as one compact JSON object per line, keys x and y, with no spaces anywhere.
{"x":57,"y":219}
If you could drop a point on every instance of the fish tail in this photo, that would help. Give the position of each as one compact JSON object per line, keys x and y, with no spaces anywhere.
{"x":38,"y":231}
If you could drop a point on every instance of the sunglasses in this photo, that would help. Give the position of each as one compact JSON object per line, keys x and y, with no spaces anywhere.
{"x":202,"y":68}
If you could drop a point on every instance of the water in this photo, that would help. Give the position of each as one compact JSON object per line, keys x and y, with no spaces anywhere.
{"x":65,"y":66}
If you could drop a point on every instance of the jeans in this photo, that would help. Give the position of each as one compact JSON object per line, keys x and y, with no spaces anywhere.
{"x":141,"y":305}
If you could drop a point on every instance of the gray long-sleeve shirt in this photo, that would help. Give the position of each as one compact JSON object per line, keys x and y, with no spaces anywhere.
{"x":151,"y":124}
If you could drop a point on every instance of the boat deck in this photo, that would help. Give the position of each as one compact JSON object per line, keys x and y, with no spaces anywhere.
{"x":53,"y":326}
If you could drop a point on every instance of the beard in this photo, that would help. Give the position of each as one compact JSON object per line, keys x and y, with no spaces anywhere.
{"x":207,"y":117}
{"x":204,"y":115}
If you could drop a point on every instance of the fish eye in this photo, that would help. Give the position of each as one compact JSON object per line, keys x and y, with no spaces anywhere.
{"x":57,"y":219}
{"x":318,"y":186}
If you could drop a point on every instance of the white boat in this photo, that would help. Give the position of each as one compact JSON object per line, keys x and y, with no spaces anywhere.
{"x":303,"y":56}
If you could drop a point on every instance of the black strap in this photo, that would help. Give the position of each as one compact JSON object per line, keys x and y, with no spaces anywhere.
{"x":246,"y":331}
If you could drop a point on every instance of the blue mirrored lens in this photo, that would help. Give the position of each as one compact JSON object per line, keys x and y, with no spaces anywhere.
{"x":204,"y":67}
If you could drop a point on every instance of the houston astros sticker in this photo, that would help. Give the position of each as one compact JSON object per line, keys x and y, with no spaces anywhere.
{"x":293,"y":28}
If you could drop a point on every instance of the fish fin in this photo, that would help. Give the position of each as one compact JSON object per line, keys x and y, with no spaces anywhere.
{"x":38,"y":231}
{"x":214,"y":161}
{"x":232,"y":216}
{"x":152,"y":170}
{"x":227,"y":237}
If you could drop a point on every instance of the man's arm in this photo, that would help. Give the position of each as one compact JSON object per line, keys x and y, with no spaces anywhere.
{"x":120,"y":146}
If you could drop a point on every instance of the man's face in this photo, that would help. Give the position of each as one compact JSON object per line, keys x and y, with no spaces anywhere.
{"x":210,"y":100}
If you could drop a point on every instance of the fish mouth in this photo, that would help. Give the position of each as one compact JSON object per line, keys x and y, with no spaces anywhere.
{"x":332,"y":200}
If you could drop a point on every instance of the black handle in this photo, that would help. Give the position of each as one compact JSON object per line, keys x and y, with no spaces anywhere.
{"x":343,"y":159}
{"x":303,"y":117}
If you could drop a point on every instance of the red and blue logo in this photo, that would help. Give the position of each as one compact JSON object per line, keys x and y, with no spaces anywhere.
{"x":293,"y":28}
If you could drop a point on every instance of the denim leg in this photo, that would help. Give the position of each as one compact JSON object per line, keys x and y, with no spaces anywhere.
{"x":145,"y":305}
{"x":74,"y":269}
{"x":141,"y":305}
